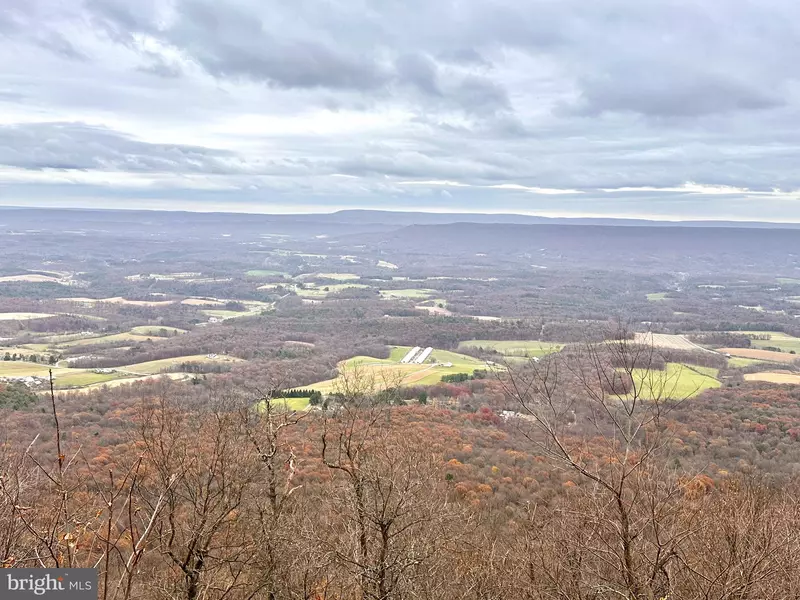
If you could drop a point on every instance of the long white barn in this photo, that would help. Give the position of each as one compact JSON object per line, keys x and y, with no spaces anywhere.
{"x":410,"y":356}
{"x":423,"y":356}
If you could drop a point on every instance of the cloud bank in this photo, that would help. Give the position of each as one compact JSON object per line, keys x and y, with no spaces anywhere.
{"x":665,"y":109}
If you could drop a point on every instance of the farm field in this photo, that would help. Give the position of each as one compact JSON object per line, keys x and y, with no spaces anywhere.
{"x":107,"y":339}
{"x":20,"y":368}
{"x":30,"y":278}
{"x":784,"y":341}
{"x":77,"y":378}
{"x":665,"y":340}
{"x":118,"y":300}
{"x":519,"y":348}
{"x":320,"y":290}
{"x":434,"y":310}
{"x":253,"y":307}
{"x":155,"y":330}
{"x":755,"y":353}
{"x":384,"y":372}
{"x":157,"y":366}
{"x":65,"y":377}
{"x":737,"y":361}
{"x":657,"y":296}
{"x":23,"y":316}
{"x":202,"y":302}
{"x":382,"y":264}
{"x":288,"y":403}
{"x":774,"y":377}
{"x":676,"y":381}
{"x":411,"y":293}
{"x":788,"y":281}
{"x":124,"y":380}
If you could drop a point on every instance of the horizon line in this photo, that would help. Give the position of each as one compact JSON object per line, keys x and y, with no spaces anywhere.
{"x":441,"y":211}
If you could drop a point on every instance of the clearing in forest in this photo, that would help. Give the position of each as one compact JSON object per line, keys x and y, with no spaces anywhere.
{"x":519,"y":348}
{"x":676,"y":381}
{"x":767,"y":355}
{"x":23,"y":316}
{"x":665,"y":340}
{"x":775,"y":339}
{"x":380,"y":373}
{"x":407,"y":294}
{"x":774,"y":377}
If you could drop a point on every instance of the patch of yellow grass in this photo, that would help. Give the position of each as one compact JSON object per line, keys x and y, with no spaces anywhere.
{"x":773,"y":377}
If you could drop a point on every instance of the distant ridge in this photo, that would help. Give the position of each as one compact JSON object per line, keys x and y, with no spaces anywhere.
{"x":355,"y":219}
{"x":432,"y":218}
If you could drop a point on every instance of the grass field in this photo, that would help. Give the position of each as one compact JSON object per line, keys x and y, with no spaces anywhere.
{"x":19,"y":368}
{"x":22,"y":316}
{"x":107,"y":339}
{"x":788,"y":281}
{"x":666,"y":340}
{"x":380,"y":373}
{"x":288,"y":403}
{"x":157,"y":366}
{"x":30,"y":278}
{"x":676,"y":381}
{"x":773,"y":377}
{"x":320,"y":290}
{"x":407,"y":294}
{"x":119,"y":300}
{"x":656,"y":296}
{"x":155,"y":330}
{"x":202,"y":302}
{"x":382,"y":264}
{"x":226,"y":314}
{"x":74,"y":378}
{"x":767,"y":355}
{"x":736,"y":361}
{"x":520,"y":348}
{"x":784,"y":341}
{"x":124,"y":380}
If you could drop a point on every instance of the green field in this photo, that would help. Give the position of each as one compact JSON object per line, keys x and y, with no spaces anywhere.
{"x":73,"y":378}
{"x":107,"y":339}
{"x":385,"y":265}
{"x":519,"y":348}
{"x":155,"y":330}
{"x":23,"y":316}
{"x":656,"y":296}
{"x":287,"y":403}
{"x":320,"y":290}
{"x":737,"y":361}
{"x":385,"y":372}
{"x":407,"y":294}
{"x":20,"y":368}
{"x":157,"y":366}
{"x":788,"y":281}
{"x":676,"y":381}
{"x":784,"y":341}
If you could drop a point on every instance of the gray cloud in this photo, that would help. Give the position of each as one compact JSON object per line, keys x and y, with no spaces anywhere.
{"x":274,"y":95}
{"x":77,"y":146}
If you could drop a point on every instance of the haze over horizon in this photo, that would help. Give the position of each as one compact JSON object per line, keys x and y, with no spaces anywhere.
{"x":667,"y":111}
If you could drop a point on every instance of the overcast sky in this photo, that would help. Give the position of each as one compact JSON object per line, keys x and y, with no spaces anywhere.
{"x":643,"y":108}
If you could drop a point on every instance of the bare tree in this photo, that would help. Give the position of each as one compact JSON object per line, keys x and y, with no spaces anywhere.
{"x":391,"y":511}
{"x":599,"y":412}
